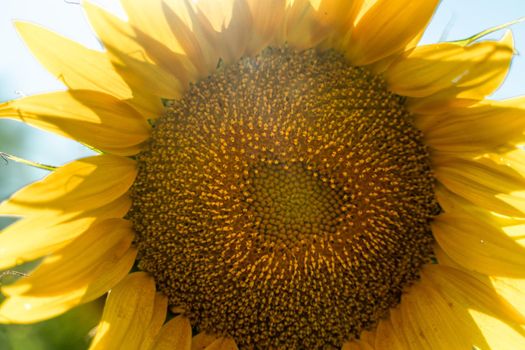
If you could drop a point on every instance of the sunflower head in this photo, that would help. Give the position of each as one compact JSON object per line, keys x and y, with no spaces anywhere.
{"x":284,"y":174}
{"x":265,"y":180}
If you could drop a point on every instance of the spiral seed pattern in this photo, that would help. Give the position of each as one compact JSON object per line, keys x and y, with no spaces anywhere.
{"x":285,"y":201}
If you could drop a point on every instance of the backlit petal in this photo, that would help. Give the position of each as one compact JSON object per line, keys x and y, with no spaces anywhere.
{"x":149,"y":82}
{"x":481,"y":182}
{"x":157,"y":320}
{"x":490,"y":251}
{"x":388,"y":337}
{"x":386,"y":28}
{"x":222,"y":344}
{"x":267,"y":17}
{"x":472,"y":292}
{"x":512,"y":290}
{"x":80,"y":264}
{"x":29,"y":303}
{"x":184,"y":24}
{"x":94,"y":118}
{"x":472,"y":71}
{"x":154,"y":35}
{"x":227,"y":24}
{"x":202,"y":340}
{"x":357,"y":345}
{"x":75,"y":65}
{"x":84,"y":184}
{"x":302,"y":28}
{"x":428,"y":321}
{"x":36,"y":236}
{"x":129,"y":307}
{"x":498,"y":335}
{"x":477,"y":129}
{"x":176,"y":334}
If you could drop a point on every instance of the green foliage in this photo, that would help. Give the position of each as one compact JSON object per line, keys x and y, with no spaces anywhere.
{"x":71,"y":331}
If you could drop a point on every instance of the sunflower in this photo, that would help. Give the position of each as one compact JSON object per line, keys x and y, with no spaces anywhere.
{"x":281,"y":174}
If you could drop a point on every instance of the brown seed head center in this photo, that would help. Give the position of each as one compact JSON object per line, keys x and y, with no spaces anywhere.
{"x":285,"y":201}
{"x":288,"y":203}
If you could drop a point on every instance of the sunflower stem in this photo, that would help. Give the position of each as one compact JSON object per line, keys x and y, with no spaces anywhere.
{"x":7,"y":157}
{"x":486,"y":32}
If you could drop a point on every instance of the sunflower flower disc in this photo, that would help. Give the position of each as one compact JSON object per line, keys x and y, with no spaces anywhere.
{"x":285,"y":201}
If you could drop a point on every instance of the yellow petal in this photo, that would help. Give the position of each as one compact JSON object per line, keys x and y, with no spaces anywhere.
{"x":34,"y":237}
{"x":398,"y":326}
{"x":367,"y":338}
{"x":210,"y":32}
{"x":388,"y":337}
{"x":438,"y":103}
{"x":302,"y":28}
{"x":114,"y":33}
{"x":477,"y":129}
{"x":216,"y":14}
{"x":430,"y":322}
{"x":84,"y":184}
{"x":472,"y":71}
{"x":176,"y":334}
{"x":148,"y":80}
{"x":479,"y":246}
{"x":76,"y":66}
{"x":228,"y":24}
{"x":471,"y":292}
{"x":387,"y":28}
{"x":160,"y":310}
{"x":472,"y":297}
{"x":28,"y":308}
{"x":222,"y":344}
{"x":482,"y":80}
{"x":148,"y":104}
{"x":154,"y":35}
{"x":199,"y":48}
{"x":128,"y":308}
{"x":267,"y":17}
{"x":498,"y":335}
{"x":480,"y":182}
{"x":515,"y":159}
{"x":202,"y":340}
{"x":337,"y":13}
{"x":449,"y":201}
{"x":79,"y":264}
{"x":339,"y":17}
{"x":466,"y":295}
{"x":90,"y":117}
{"x":150,"y":21}
{"x":357,"y":345}
{"x":512,"y":290}
{"x":470,"y":88}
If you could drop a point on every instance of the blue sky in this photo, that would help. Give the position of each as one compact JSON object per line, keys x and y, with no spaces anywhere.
{"x":21,"y":74}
